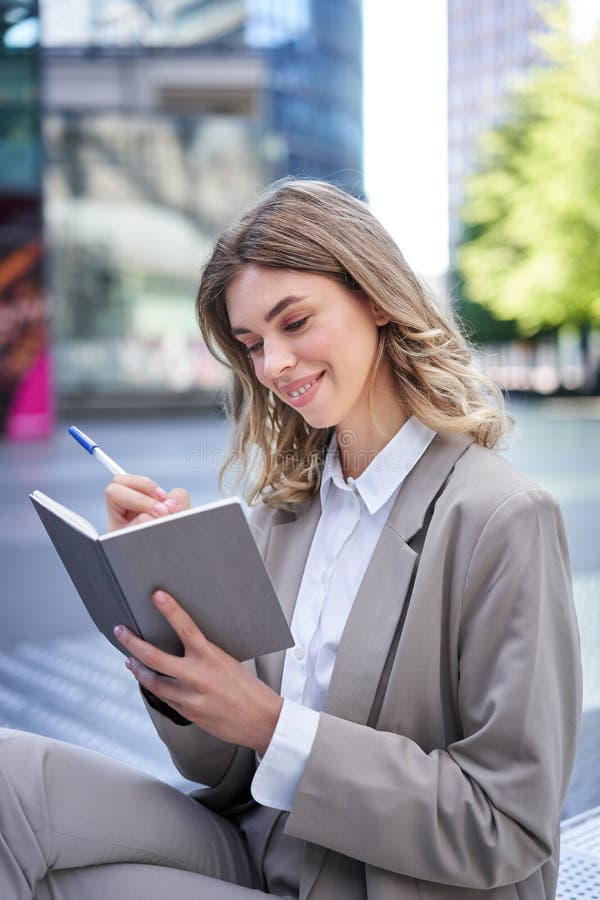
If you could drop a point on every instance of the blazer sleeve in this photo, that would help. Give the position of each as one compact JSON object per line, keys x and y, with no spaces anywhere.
{"x":484,"y":810}
{"x":227,"y":769}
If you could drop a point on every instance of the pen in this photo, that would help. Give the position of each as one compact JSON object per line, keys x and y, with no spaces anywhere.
{"x":94,"y":450}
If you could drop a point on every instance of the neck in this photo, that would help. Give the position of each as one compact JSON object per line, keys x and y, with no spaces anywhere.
{"x":361,"y":437}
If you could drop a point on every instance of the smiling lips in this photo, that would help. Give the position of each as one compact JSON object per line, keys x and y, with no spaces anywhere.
{"x":300,"y":388}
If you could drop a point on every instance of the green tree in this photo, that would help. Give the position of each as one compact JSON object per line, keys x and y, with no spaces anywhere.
{"x":531,"y":246}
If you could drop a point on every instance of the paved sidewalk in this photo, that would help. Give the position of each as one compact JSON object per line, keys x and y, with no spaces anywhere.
{"x":580,"y":858}
{"x":77,"y":689}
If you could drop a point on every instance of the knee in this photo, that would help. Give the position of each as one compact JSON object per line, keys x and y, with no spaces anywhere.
{"x":20,"y":751}
{"x":12,"y":740}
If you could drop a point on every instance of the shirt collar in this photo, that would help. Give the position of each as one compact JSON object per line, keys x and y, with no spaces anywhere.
{"x":386,"y":472}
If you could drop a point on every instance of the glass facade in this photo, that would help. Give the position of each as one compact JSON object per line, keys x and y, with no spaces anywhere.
{"x":315,"y":97}
{"x":161,"y":120}
{"x":133,"y":204}
{"x":311,"y":49}
{"x":82,"y":24}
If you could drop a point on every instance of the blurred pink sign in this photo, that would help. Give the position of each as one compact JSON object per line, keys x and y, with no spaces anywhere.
{"x":26,"y":405}
{"x":30,"y":413}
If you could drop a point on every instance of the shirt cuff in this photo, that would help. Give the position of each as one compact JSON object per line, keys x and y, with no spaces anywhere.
{"x":278,"y":775}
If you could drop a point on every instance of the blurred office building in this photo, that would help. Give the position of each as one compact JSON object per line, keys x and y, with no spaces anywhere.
{"x":25,"y":396}
{"x":160,"y":121}
{"x":491,"y":44}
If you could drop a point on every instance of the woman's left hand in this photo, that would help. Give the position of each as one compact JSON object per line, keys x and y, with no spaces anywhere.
{"x":206,"y":685}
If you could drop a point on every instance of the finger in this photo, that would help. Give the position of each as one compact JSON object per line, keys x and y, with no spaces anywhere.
{"x":147,"y":653}
{"x":180,"y":621}
{"x":165,"y":688}
{"x":128,"y":500}
{"x":141,"y":483}
{"x":143,"y":517}
{"x":181,"y":498}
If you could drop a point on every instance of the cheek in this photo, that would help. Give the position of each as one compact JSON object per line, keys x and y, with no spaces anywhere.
{"x":369,"y":339}
{"x":258,"y":372}
{"x":316,"y":349}
{"x":357,"y":349}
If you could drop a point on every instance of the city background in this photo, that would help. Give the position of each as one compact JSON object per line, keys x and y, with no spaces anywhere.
{"x":131,"y":132}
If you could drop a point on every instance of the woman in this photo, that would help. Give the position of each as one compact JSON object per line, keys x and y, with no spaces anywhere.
{"x":417,"y":741}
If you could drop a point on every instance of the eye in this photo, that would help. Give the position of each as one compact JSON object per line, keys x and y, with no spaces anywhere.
{"x":294,"y":326}
{"x":252,"y":348}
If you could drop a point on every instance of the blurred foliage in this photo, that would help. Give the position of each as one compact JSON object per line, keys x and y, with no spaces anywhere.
{"x":530,"y":251}
{"x":480,"y":325}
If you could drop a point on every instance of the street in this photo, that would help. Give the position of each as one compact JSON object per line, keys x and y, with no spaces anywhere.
{"x":59,"y":677}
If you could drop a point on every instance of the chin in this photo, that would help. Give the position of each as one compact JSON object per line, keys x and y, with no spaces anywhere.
{"x":318,"y":421}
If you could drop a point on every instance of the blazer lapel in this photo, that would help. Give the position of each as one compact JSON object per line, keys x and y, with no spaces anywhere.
{"x":285,"y":558}
{"x":370,"y":628}
{"x":378,"y":607}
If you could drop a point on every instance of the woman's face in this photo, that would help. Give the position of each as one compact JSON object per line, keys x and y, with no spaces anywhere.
{"x":312,"y":341}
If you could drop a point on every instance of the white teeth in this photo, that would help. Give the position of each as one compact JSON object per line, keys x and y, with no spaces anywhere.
{"x":302,"y":390}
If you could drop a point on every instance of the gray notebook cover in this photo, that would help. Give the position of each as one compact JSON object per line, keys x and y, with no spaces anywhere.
{"x":206,"y":558}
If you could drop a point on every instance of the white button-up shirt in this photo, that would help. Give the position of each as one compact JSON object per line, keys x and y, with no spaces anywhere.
{"x":353,"y":514}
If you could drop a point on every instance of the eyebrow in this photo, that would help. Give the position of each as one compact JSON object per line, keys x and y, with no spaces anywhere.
{"x":277,"y":309}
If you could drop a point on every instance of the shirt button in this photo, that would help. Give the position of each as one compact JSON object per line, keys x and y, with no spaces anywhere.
{"x":299,"y":652}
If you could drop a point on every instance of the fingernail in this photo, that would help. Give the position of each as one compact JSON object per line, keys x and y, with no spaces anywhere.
{"x":160,"y":597}
{"x":129,"y":663}
{"x":172,"y":504}
{"x":118,"y":630}
{"x":161,"y":493}
{"x":160,"y":508}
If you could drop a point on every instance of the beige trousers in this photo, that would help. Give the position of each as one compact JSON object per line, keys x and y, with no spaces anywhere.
{"x":75,"y":824}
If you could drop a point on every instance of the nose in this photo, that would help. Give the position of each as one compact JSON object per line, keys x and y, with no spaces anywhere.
{"x":277,"y":357}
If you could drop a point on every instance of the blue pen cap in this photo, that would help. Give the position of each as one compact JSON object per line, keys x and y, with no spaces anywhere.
{"x":86,"y":442}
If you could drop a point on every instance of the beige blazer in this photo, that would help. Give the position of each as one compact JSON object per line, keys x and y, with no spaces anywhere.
{"x":443,"y":756}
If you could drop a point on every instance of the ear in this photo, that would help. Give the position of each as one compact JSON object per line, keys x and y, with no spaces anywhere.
{"x":379,"y":317}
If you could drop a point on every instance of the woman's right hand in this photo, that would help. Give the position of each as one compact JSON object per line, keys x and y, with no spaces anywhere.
{"x":131,"y":499}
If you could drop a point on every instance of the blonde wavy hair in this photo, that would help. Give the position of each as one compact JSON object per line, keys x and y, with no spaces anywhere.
{"x":313,"y":226}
